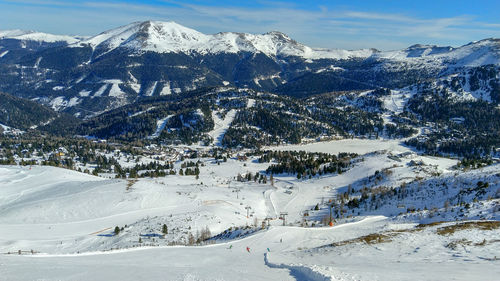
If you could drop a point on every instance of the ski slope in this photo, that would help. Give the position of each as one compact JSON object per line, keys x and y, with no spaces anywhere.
{"x":60,"y":215}
{"x":160,"y":125}
{"x":213,"y":262}
{"x":304,"y":254}
{"x":221,"y":126}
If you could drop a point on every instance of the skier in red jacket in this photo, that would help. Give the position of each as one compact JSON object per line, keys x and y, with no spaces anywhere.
{"x":248,"y":249}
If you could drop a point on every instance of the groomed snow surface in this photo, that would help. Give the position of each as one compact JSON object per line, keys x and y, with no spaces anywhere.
{"x":221,"y":125}
{"x":59,"y":214}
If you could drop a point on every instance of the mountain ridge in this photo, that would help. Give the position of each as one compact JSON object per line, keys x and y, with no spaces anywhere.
{"x":164,"y":37}
{"x":33,"y":35}
{"x":153,"y":58}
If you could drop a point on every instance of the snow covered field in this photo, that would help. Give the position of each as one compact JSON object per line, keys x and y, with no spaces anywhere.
{"x":360,"y":146}
{"x":67,"y":218}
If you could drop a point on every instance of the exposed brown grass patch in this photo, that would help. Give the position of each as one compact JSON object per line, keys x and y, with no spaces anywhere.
{"x":370,"y":239}
{"x":454,"y":244}
{"x":388,"y":236}
{"x":482,"y":225}
{"x":422,"y":225}
{"x":464,"y":242}
{"x":130,"y":183}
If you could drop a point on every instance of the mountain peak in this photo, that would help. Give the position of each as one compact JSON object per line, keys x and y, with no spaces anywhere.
{"x":166,"y":27}
{"x":279,"y":34}
{"x":155,"y":36}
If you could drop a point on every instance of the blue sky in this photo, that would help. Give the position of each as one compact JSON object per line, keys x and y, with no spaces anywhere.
{"x":353,"y":24}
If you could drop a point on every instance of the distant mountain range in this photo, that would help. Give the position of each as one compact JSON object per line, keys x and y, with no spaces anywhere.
{"x":85,"y":76}
{"x":127,"y":83}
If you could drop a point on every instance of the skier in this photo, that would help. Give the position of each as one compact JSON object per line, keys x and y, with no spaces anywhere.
{"x":268,"y":250}
{"x":281,"y":240}
{"x":248,"y":249}
{"x":230,"y":247}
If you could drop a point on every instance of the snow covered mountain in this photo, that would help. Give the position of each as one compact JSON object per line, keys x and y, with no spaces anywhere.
{"x":474,"y":54}
{"x":85,"y":76}
{"x":170,"y":37}
{"x":16,"y":44}
{"x":29,"y":35}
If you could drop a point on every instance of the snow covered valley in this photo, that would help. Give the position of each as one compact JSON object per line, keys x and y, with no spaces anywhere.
{"x":397,"y":216}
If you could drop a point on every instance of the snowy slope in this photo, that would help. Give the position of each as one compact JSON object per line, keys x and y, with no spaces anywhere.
{"x":413,"y":254}
{"x":474,"y":54}
{"x":60,"y":213}
{"x":38,"y":36}
{"x":304,"y":254}
{"x":10,"y":130}
{"x":221,"y":126}
{"x":160,"y":125}
{"x":360,"y":146}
